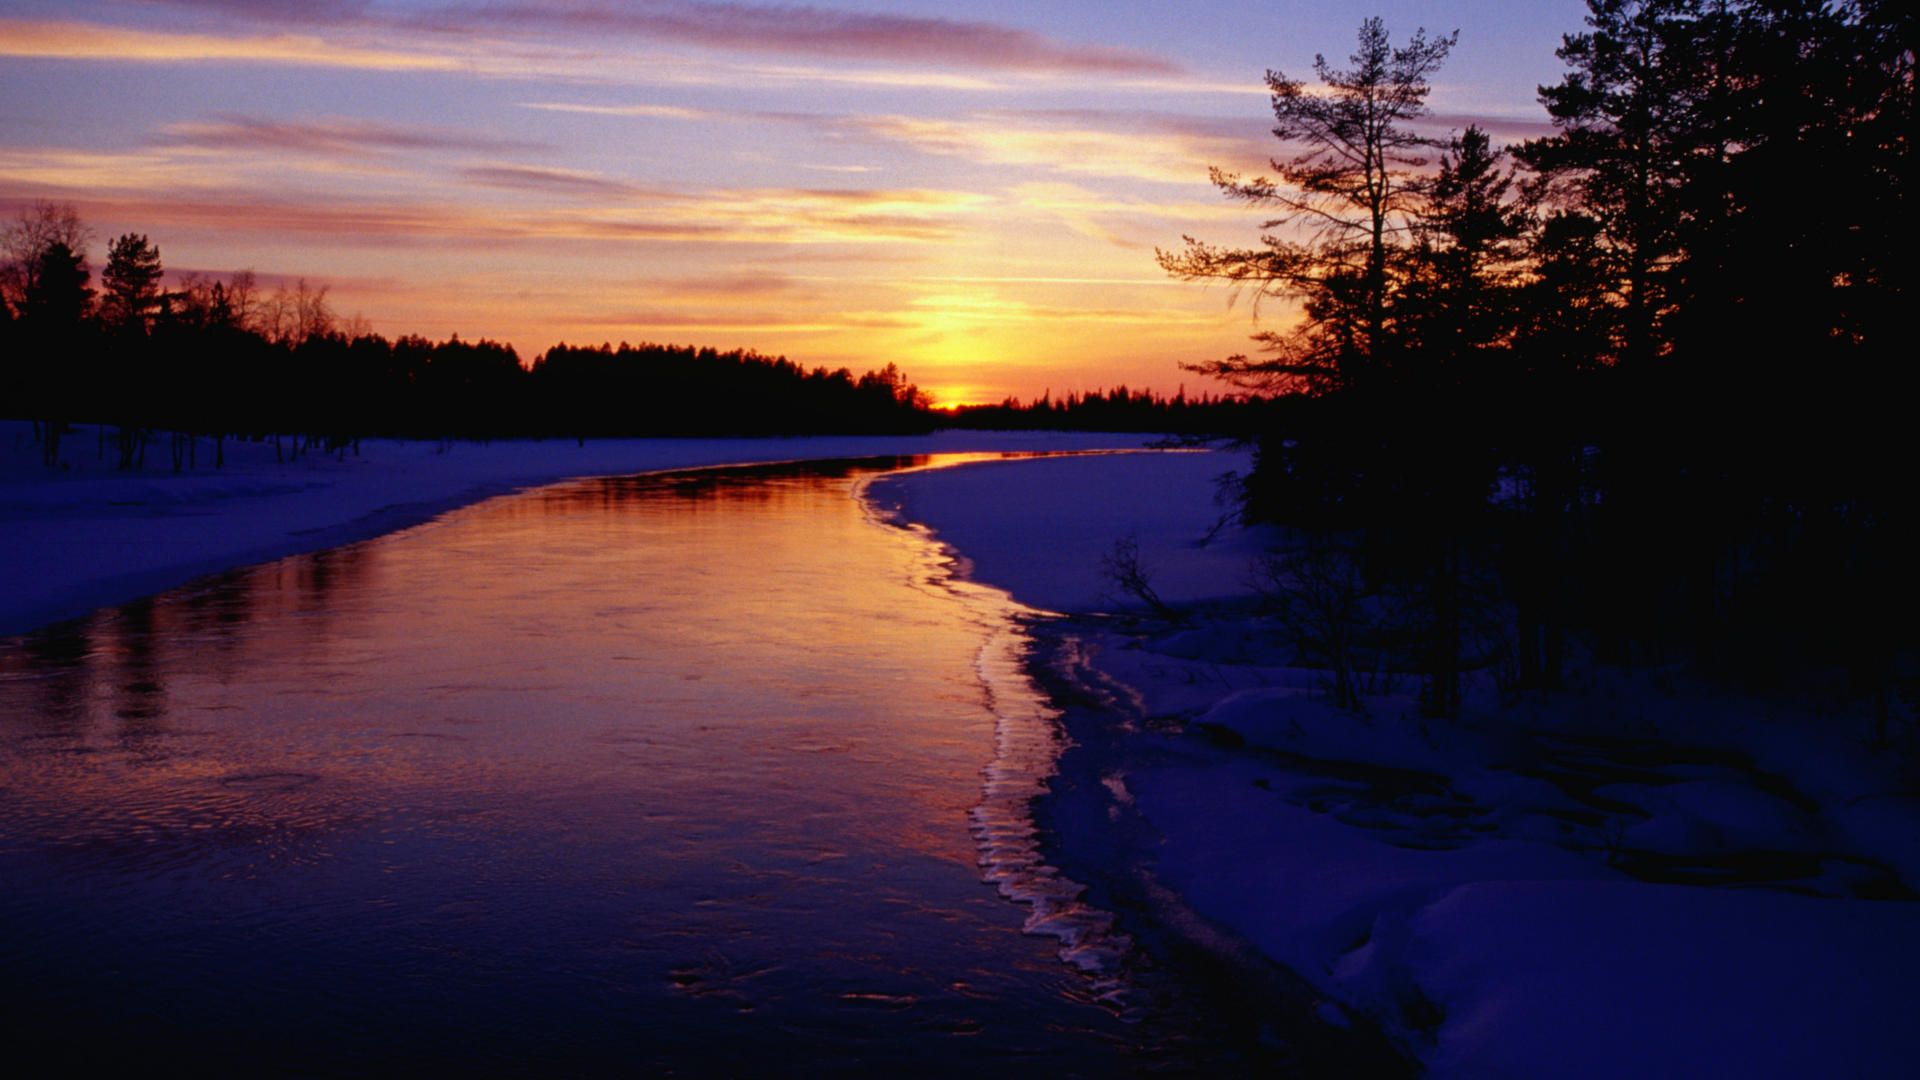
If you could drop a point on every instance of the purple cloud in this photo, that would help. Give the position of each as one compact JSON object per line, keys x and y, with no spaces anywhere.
{"x":811,"y":31}
{"x":281,"y":12}
{"x":330,"y":135}
{"x":786,"y":29}
{"x":549,"y":181}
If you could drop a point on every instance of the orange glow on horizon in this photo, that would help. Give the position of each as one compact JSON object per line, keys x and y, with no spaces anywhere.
{"x":92,"y":41}
{"x":986,"y":221}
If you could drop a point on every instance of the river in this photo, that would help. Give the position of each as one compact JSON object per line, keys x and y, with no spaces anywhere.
{"x":676,"y":774}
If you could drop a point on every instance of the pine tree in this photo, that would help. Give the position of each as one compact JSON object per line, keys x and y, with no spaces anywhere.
{"x":1345,"y":208}
{"x":132,"y":281}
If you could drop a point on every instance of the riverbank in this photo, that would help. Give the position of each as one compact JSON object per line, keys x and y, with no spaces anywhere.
{"x":85,"y":535}
{"x":1642,"y":877}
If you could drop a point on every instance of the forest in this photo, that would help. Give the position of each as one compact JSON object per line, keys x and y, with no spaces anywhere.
{"x":217,"y":358}
{"x":1637,"y":381}
{"x":1120,"y":409}
{"x":211,"y":357}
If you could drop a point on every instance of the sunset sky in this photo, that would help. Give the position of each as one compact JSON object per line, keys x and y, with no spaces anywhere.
{"x":972,"y":191}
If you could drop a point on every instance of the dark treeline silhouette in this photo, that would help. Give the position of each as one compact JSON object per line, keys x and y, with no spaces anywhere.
{"x":664,"y":390}
{"x":219,"y":358}
{"x":1119,"y":409}
{"x":1631,"y":389}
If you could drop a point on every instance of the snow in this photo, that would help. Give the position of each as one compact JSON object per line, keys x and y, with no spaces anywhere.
{"x":1721,"y":982}
{"x":1039,"y":530}
{"x":85,"y":535}
{"x":1643,"y":878}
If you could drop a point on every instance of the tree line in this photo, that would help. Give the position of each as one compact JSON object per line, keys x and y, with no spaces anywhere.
{"x":220,"y":357}
{"x":1121,"y":409}
{"x":214,"y":357}
{"x":1636,"y":382}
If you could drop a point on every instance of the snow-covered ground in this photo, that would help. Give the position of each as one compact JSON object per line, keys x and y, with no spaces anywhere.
{"x":1642,"y":878}
{"x":1041,"y":531}
{"x":85,"y":535}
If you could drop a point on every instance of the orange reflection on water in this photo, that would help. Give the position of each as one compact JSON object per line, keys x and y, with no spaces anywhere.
{"x":556,"y":752}
{"x":648,"y":637}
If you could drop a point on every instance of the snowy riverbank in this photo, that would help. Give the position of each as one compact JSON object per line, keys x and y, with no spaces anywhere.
{"x":84,"y":535}
{"x":1644,"y":877}
{"x":1640,"y":878}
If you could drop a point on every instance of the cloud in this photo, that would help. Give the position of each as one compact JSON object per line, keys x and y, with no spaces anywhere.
{"x":806,"y":30}
{"x":733,"y":286}
{"x":281,"y":11}
{"x":803,"y":30}
{"x":651,"y":112}
{"x":329,"y":135}
{"x":59,"y":171}
{"x":915,"y":80}
{"x":1087,"y":144}
{"x":771,"y":322}
{"x":90,"y":41}
{"x":550,"y":181}
{"x":990,"y":307}
{"x":774,"y":217}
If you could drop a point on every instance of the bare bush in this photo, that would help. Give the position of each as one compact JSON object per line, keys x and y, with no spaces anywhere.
{"x":1319,"y":596}
{"x":1122,"y":567}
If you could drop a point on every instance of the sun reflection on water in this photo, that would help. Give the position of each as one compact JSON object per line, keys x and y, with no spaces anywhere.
{"x":665,"y":768}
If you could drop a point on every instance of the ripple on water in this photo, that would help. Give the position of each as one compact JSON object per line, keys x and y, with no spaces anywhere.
{"x":268,"y":781}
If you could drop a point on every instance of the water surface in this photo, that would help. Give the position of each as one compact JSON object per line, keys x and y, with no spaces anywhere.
{"x":667,"y":773}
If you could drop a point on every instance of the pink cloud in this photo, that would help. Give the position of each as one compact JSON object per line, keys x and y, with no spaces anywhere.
{"x":328,"y":136}
{"x":550,"y":181}
{"x":801,"y":30}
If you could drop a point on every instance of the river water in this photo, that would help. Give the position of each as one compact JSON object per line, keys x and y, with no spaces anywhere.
{"x":670,"y":774}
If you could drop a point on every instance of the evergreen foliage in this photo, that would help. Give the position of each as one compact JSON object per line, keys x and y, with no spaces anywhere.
{"x":1646,"y":369}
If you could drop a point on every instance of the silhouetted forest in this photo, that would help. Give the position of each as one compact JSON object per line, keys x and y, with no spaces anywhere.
{"x":1120,"y":409}
{"x":1635,"y":385}
{"x":220,"y":357}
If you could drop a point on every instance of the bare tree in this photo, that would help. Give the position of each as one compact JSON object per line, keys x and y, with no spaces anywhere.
{"x":28,"y":237}
{"x":293,"y":315}
{"x":243,"y":300}
{"x":1318,"y":594}
{"x":1123,"y":567}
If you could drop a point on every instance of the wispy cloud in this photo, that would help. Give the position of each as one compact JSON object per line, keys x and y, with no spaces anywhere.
{"x":657,"y":319}
{"x":570,"y":182}
{"x":92,"y":41}
{"x":280,"y":11}
{"x":650,"y":112}
{"x":992,"y":307}
{"x":794,"y":30}
{"x":329,"y":135}
{"x":886,"y":77}
{"x":731,"y":286}
{"x":61,"y":170}
{"x":172,"y":196}
{"x":805,"y":30}
{"x":1164,"y":152}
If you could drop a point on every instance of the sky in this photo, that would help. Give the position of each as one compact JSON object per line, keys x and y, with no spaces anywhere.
{"x":971,"y":191}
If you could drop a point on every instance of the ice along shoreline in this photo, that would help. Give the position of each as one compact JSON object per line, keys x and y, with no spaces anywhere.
{"x":1649,"y":877}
